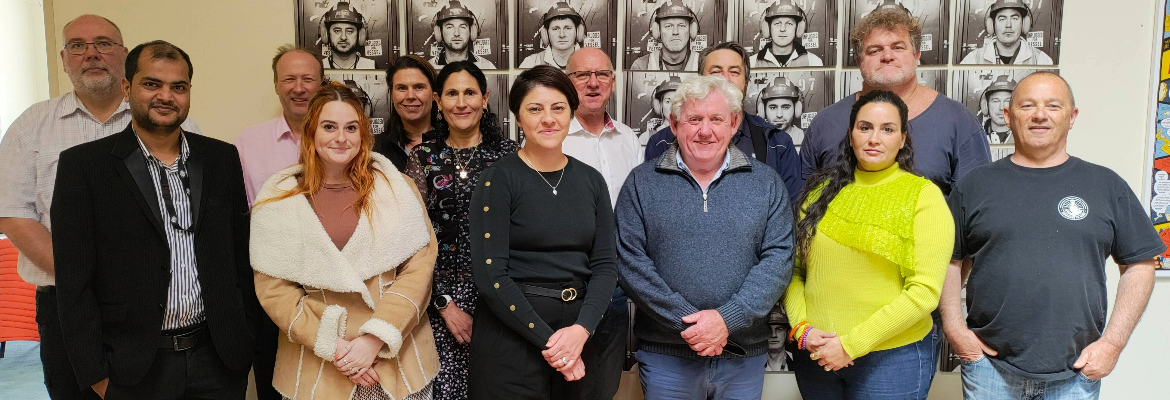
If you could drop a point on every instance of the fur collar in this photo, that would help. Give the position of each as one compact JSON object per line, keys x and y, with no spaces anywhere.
{"x":289,"y":242}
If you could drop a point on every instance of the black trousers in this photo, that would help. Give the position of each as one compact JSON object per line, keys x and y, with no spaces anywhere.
{"x":195,"y":373}
{"x":265,"y":362}
{"x":60,"y":380}
{"x":609,"y":348}
{"x":503,"y":365}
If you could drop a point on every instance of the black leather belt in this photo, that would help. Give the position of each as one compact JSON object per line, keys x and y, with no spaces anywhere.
{"x":185,"y":340}
{"x":564,"y":294}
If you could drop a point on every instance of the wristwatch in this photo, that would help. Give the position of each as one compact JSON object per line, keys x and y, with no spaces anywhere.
{"x":441,"y":301}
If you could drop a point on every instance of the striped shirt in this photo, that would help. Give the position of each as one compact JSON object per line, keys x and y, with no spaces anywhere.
{"x":28,"y":160}
{"x":184,"y":295}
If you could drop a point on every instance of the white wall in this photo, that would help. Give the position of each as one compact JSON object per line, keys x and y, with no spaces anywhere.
{"x":24,"y":74}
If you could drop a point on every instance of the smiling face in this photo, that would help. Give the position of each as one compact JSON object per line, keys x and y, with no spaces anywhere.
{"x":544,"y":118}
{"x":462,"y":101}
{"x":996,"y":102}
{"x":783,"y":31}
{"x":1041,"y":114}
{"x":160,"y":95}
{"x":877,"y":135}
{"x":888,"y":58}
{"x":343,"y":37}
{"x":593,"y":93}
{"x":779,"y":112}
{"x":704,"y":128}
{"x":92,"y":71}
{"x":676,"y":36}
{"x":298,"y":76}
{"x":456,"y":34}
{"x":562,"y":33}
{"x":727,"y":63}
{"x":412,"y":95}
{"x":1008,"y":26}
{"x":338,"y":137}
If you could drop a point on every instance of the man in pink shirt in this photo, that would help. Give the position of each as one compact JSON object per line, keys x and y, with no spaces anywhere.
{"x":273,"y":145}
{"x":269,"y":147}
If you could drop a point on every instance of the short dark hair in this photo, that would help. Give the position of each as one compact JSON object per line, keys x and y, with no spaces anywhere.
{"x":288,"y":48}
{"x":733,"y":46}
{"x":545,"y":76}
{"x":159,"y":49}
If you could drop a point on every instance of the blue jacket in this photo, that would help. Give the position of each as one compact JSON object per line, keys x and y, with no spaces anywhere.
{"x":680,"y":252}
{"x":782,"y":155}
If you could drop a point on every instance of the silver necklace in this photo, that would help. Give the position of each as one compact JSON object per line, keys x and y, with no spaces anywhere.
{"x":533,"y":166}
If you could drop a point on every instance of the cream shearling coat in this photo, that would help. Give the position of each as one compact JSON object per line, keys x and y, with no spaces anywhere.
{"x":379,"y":284}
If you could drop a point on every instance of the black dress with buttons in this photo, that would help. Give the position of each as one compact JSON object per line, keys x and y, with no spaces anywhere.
{"x":530,"y":245}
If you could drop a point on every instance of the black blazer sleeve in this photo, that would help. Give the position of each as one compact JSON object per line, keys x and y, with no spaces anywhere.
{"x":74,"y":251}
{"x":240,"y":234}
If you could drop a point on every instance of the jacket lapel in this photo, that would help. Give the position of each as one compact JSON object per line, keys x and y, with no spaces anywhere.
{"x":127,"y":149}
{"x":195,"y":173}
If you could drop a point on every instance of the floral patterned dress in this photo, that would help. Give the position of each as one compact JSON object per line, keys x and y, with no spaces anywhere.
{"x":438,"y":170}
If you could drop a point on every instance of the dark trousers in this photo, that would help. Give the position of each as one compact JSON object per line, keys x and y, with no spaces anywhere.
{"x":503,"y":365}
{"x":609,"y":348}
{"x":195,"y":373}
{"x":59,"y":378}
{"x":265,"y":362}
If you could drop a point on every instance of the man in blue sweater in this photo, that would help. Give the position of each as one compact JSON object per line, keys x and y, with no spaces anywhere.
{"x":705,"y":249}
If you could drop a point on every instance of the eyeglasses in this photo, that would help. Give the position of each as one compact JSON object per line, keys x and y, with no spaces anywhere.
{"x":583,"y":76}
{"x":102,"y":46}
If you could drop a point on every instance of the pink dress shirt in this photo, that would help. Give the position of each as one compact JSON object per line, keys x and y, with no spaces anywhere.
{"x":265,"y":149}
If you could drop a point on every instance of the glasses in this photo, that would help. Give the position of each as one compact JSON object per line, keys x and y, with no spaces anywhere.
{"x":583,"y":76}
{"x":102,"y":46}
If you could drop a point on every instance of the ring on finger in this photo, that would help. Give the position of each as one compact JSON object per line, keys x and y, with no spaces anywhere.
{"x":827,"y":368}
{"x":814,"y":356}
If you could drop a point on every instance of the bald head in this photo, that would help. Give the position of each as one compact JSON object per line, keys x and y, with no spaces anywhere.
{"x":91,"y":21}
{"x":593,"y":89}
{"x":589,"y":57}
{"x":1050,"y":81}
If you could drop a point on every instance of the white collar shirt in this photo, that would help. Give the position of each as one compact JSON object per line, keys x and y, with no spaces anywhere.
{"x":614,"y":152}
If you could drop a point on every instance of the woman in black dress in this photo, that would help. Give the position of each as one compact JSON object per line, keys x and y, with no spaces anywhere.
{"x":543,"y":254}
{"x":446,"y":167}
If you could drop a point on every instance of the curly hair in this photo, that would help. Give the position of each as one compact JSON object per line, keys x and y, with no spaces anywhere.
{"x":890,"y":19}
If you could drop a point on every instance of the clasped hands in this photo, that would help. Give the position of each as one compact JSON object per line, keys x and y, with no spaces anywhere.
{"x":563,"y":351}
{"x":708,"y":334}
{"x":825,"y":348}
{"x":356,"y":359}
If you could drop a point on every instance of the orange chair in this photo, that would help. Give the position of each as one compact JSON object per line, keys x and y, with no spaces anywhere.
{"x":18,"y":305}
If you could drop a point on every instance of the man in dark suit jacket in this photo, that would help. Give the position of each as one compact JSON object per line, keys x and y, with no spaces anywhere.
{"x":150,"y":240}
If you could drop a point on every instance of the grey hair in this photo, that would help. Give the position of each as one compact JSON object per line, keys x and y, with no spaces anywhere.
{"x":699,"y":87}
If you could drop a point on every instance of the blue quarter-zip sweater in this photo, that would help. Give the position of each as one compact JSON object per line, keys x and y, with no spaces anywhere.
{"x":680,"y":253}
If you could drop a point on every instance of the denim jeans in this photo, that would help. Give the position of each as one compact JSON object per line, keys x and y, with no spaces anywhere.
{"x":900,"y":373}
{"x":983,"y":381}
{"x":676,"y":378}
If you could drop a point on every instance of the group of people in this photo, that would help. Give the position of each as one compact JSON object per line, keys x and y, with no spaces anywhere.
{"x":439,"y":259}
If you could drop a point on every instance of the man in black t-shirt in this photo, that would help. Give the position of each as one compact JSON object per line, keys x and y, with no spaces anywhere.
{"x":1033,"y":231}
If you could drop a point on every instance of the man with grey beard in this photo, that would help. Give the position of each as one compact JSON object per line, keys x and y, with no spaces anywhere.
{"x":94,"y":57}
{"x":948,"y":139}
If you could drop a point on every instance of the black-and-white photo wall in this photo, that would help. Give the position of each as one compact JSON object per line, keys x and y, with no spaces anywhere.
{"x":349,"y":34}
{"x":445,"y":31}
{"x":667,"y":35}
{"x":549,"y":31}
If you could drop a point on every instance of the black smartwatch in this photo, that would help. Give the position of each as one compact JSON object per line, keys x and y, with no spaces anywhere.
{"x":441,"y":301}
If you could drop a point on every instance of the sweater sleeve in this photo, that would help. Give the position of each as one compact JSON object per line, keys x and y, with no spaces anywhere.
{"x":794,"y":304}
{"x":602,"y":259}
{"x":921,"y":288}
{"x":490,"y":214}
{"x":766,"y":280}
{"x":304,"y":319}
{"x":639,"y":275}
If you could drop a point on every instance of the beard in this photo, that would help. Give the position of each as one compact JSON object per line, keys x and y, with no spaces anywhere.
{"x":888,"y":78}
{"x":98,"y":87}
{"x":149,"y":123}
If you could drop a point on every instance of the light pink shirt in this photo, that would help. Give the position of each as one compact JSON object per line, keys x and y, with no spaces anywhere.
{"x":265,"y":149}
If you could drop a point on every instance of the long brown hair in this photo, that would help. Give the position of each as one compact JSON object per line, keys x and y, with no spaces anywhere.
{"x":360,"y":170}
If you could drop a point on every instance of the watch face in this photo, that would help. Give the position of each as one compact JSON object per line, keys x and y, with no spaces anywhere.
{"x":441,"y":301}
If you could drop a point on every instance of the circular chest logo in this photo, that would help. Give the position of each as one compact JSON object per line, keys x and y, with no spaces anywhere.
{"x":1073,"y":208}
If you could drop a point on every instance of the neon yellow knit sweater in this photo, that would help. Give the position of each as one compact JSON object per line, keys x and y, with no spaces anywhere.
{"x":876,"y":265}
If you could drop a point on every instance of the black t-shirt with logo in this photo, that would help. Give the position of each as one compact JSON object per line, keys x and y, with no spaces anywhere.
{"x":1038,"y":238}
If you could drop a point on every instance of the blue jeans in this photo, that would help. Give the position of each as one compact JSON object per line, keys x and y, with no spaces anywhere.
{"x":676,"y":378}
{"x":899,"y":373}
{"x":982,"y":380}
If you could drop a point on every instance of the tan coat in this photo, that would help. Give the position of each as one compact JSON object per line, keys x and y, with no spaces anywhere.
{"x":379,"y":284}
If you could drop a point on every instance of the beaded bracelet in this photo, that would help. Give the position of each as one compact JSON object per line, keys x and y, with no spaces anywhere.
{"x":803,"y":338}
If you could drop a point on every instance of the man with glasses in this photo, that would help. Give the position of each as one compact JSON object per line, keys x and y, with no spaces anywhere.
{"x":93,"y":57}
{"x":611,"y":148}
{"x":151,"y":240}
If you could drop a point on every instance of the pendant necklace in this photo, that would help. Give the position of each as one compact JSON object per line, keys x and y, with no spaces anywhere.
{"x":533,"y":166}
{"x":460,"y":166}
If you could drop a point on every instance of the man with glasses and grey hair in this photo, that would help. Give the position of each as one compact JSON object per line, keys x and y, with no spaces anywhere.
{"x":94,"y":58}
{"x":753,"y":136}
{"x":705,"y":250}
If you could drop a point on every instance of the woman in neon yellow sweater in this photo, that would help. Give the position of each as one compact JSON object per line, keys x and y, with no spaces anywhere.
{"x":873,"y":242}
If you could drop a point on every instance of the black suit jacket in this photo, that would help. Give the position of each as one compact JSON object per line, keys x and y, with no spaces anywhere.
{"x":113,"y":261}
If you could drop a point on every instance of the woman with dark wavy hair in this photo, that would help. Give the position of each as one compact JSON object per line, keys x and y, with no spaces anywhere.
{"x":873,"y":243}
{"x":446,"y":167}
{"x":414,"y":112}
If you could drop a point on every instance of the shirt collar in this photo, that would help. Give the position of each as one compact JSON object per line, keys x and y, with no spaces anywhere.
{"x":70,"y":104}
{"x":184,"y":151}
{"x":283,"y":131}
{"x":575,"y":127}
{"x":683,"y":166}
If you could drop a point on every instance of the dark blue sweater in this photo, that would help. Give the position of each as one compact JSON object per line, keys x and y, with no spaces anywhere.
{"x":677,"y":258}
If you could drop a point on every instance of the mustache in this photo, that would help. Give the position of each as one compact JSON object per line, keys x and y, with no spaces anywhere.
{"x":164,"y":104}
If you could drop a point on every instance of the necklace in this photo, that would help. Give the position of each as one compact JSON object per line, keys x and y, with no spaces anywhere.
{"x":533,"y":166}
{"x":460,"y":166}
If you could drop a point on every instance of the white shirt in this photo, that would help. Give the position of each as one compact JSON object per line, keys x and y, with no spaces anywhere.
{"x":614,"y":153}
{"x":29,"y":154}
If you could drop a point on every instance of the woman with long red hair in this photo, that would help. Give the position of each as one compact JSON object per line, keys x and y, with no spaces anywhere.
{"x":344,"y":252}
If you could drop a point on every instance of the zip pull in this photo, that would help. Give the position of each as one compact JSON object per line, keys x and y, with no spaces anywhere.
{"x":704,"y":201}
